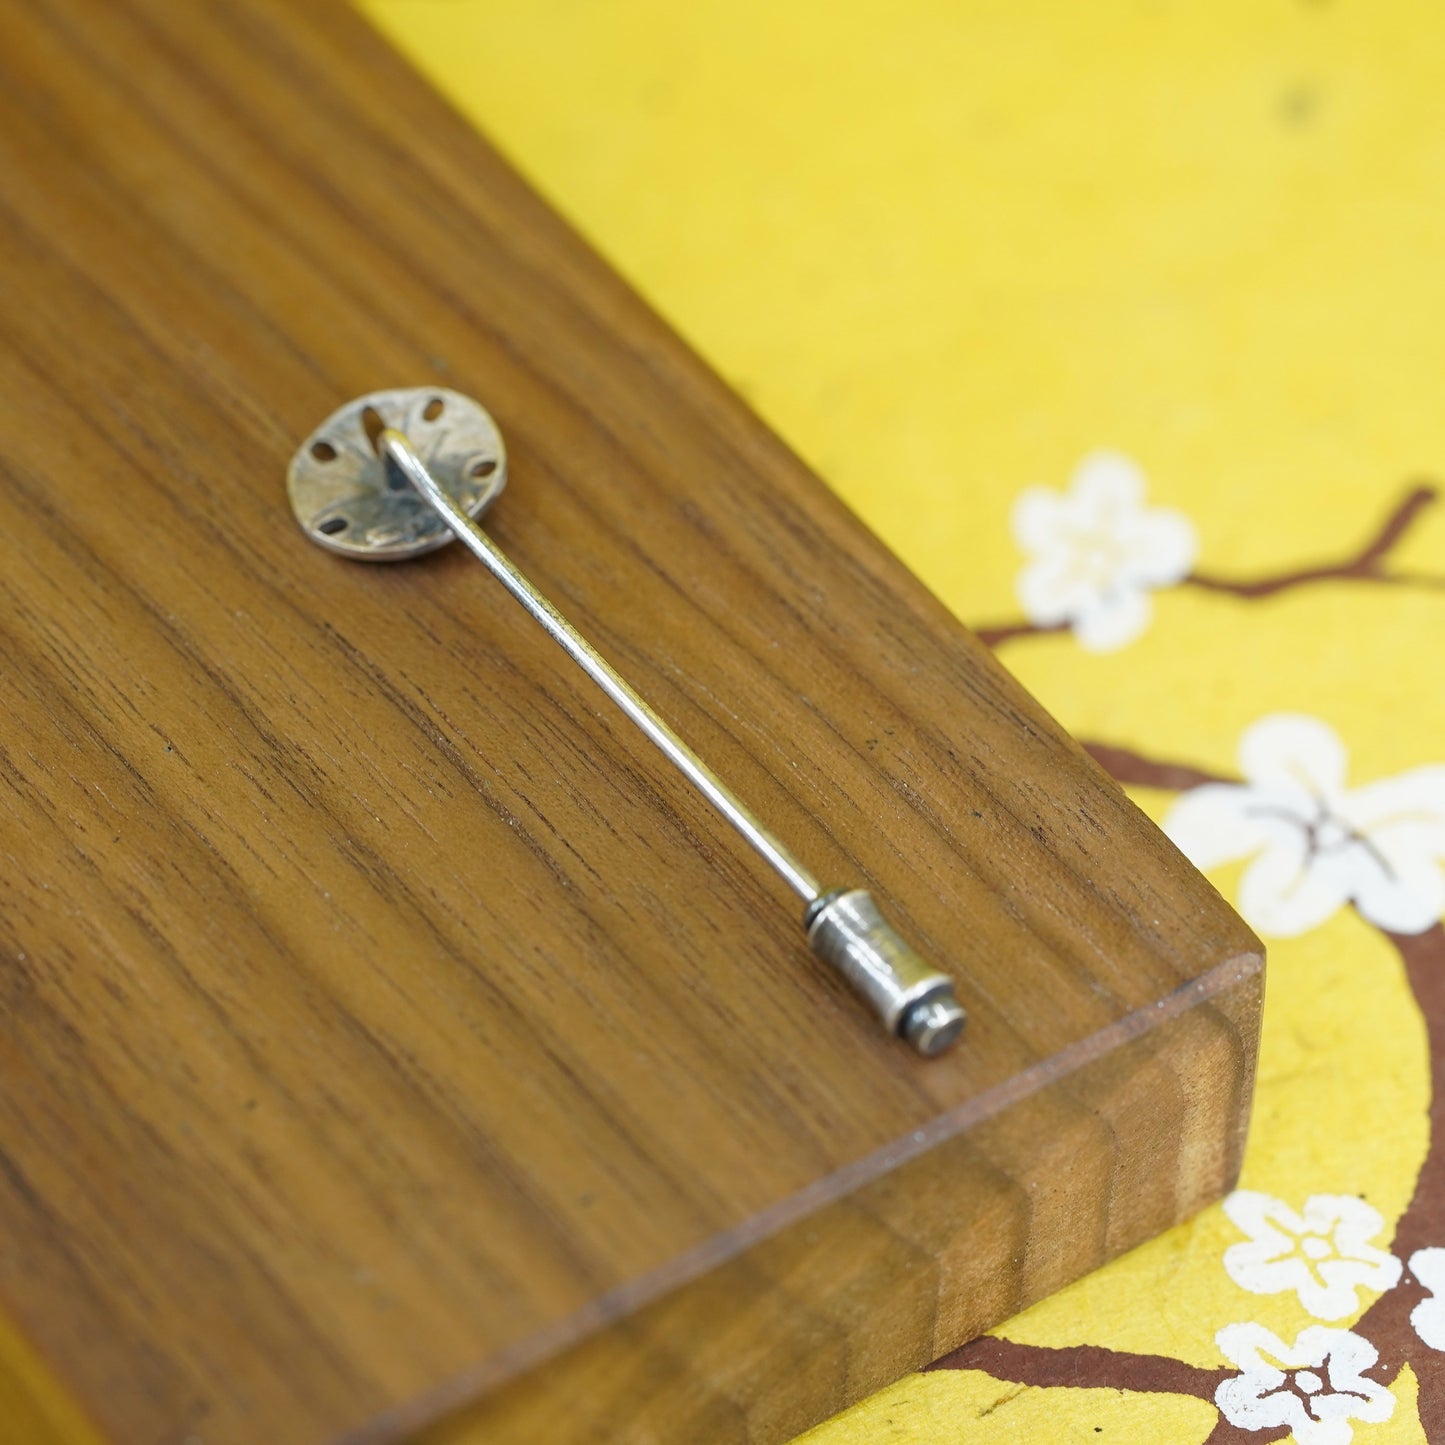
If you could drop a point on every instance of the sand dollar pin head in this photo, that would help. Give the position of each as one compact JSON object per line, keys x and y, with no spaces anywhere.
{"x":349,"y":496}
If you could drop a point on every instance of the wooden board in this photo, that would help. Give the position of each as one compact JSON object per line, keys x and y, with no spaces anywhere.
{"x":390,"y":1043}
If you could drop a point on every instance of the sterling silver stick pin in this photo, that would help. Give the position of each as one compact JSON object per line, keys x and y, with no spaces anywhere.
{"x":398,"y":473}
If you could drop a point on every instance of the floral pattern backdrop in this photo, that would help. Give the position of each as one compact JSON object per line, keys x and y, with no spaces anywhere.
{"x":1124,"y":324}
{"x":1312,"y":846}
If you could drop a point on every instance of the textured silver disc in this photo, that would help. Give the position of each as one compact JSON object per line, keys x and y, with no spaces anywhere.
{"x":349,"y":499}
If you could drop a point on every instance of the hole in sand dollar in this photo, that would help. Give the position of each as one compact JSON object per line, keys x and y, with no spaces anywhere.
{"x":373,"y":424}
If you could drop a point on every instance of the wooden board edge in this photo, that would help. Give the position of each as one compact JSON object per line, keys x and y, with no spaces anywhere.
{"x":828,"y":1261}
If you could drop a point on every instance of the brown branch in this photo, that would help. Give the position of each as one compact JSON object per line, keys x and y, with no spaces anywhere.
{"x":1125,"y":766}
{"x":1084,"y":1367}
{"x":1091,"y":1367}
{"x":1007,"y":631}
{"x":1366,"y":565}
{"x":1386,"y":1324}
{"x":1225,"y":1433}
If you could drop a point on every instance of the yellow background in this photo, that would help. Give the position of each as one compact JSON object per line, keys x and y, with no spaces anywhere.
{"x":947,"y":250}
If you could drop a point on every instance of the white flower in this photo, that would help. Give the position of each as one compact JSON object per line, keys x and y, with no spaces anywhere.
{"x":1314,"y":1387}
{"x":1428,"y":1317}
{"x":1323,"y":1254}
{"x":1317,"y":845}
{"x":1096,"y":551}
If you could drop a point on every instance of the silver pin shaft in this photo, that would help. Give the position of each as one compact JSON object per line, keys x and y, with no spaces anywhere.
{"x":844,"y":926}
{"x":396,"y":447}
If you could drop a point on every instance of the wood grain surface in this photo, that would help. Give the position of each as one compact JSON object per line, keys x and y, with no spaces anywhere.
{"x":389,"y":1042}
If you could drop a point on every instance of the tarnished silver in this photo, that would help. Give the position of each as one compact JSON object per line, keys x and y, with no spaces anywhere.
{"x":386,"y":461}
{"x":350,"y":498}
{"x":914,"y":1000}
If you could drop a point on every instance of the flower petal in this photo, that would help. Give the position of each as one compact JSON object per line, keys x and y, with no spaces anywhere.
{"x":1349,"y":1224}
{"x":1039,"y":519}
{"x":1414,"y":800}
{"x":1256,"y":1213}
{"x":1249,"y":1402}
{"x":1106,"y":488}
{"x":1351,"y":1221}
{"x":1276,"y":1256}
{"x":1399,"y":890}
{"x":1217,"y":823}
{"x":1283,"y":895}
{"x":1259,"y":1399}
{"x":1428,"y":1266}
{"x":1295,"y":755}
{"x":1052,"y":590}
{"x":1253,"y":1399}
{"x":1400,"y":886}
{"x":1428,"y":1317}
{"x":1113,"y":620}
{"x":1353,"y":1395}
{"x":1159,"y":545}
